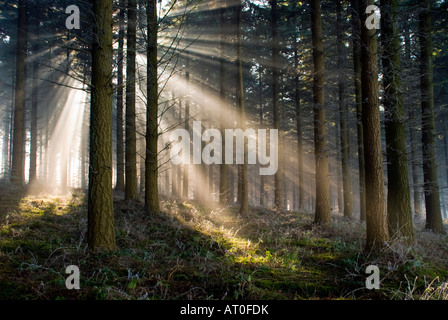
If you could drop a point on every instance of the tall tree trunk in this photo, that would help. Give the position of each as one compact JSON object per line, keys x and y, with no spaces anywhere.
{"x":223,"y":189}
{"x":376,"y":219}
{"x":346,"y":179}
{"x":131,"y":184}
{"x":358,"y":99}
{"x":260,"y":96}
{"x":152,"y":128}
{"x":301,"y":171}
{"x":399,"y":211}
{"x":244,"y":209}
{"x":276,"y":98}
{"x":120,"y":149}
{"x":185,"y":185}
{"x":34,"y":106}
{"x":322,"y":213}
{"x":412,"y":123}
{"x":432,"y":201}
{"x":18,"y":154}
{"x":101,"y":233}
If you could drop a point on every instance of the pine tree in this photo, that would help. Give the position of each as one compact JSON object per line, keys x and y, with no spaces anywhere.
{"x":244,"y":208}
{"x":322,"y":213}
{"x":346,"y":179}
{"x":152,"y":128}
{"x":358,"y":100}
{"x":276,"y":96}
{"x":432,"y":201}
{"x":101,"y":233}
{"x":131,"y":185}
{"x":120,"y":150}
{"x":376,"y":219}
{"x":399,"y":212}
{"x":17,"y":170}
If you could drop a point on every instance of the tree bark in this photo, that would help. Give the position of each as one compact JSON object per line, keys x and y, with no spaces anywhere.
{"x":376,"y":219}
{"x":223,"y":189}
{"x":244,"y":208}
{"x":131,"y":183}
{"x":101,"y":233}
{"x":120,"y":186}
{"x":276,"y":99}
{"x":18,"y":154}
{"x":432,"y":201}
{"x":152,"y":128}
{"x":358,"y":99}
{"x":346,"y":179}
{"x":322,"y":213}
{"x":185,"y":185}
{"x":399,"y":211}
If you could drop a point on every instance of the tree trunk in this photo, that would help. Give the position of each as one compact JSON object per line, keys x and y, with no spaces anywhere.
{"x":34,"y":105}
{"x":131,"y":184}
{"x":399,"y":211}
{"x":152,"y":128}
{"x":376,"y":219}
{"x":185,"y":166}
{"x":17,"y":170}
{"x":322,"y":213}
{"x":223,"y":190}
{"x":276,"y":98}
{"x":101,"y":233}
{"x":346,"y":179}
{"x":244,"y":209}
{"x":301,"y":171}
{"x":260,"y":96}
{"x":120,"y":186}
{"x":358,"y":99}
{"x":432,"y":201}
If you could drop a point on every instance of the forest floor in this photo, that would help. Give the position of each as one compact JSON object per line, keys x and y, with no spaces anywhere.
{"x":204,"y":251}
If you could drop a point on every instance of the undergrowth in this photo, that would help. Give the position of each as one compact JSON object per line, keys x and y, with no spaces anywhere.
{"x":204,"y":251}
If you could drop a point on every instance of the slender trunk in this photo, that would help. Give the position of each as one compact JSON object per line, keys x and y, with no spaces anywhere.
{"x":260,"y":96}
{"x":152,"y":128}
{"x":399,"y":211}
{"x":131,"y":185}
{"x":346,"y":179}
{"x":223,"y":190}
{"x":34,"y":105}
{"x":187,"y":127}
{"x":358,"y":99}
{"x":301,"y":183}
{"x":244,"y":209}
{"x":376,"y":219}
{"x":432,"y":201}
{"x":322,"y":213}
{"x":276,"y":97}
{"x":101,"y":233}
{"x":120,"y":150}
{"x":17,"y":170}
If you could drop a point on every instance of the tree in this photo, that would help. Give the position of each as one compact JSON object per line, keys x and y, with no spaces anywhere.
{"x":244,"y":208}
{"x":376,"y":220}
{"x":347,"y":187}
{"x":17,"y":174}
{"x":432,"y":201}
{"x":131,"y":185}
{"x":399,"y":211}
{"x":101,"y":233}
{"x":322,"y":213}
{"x":223,"y":190}
{"x":358,"y":100}
{"x":276,"y":95}
{"x":152,"y":128}
{"x":120,"y":186}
